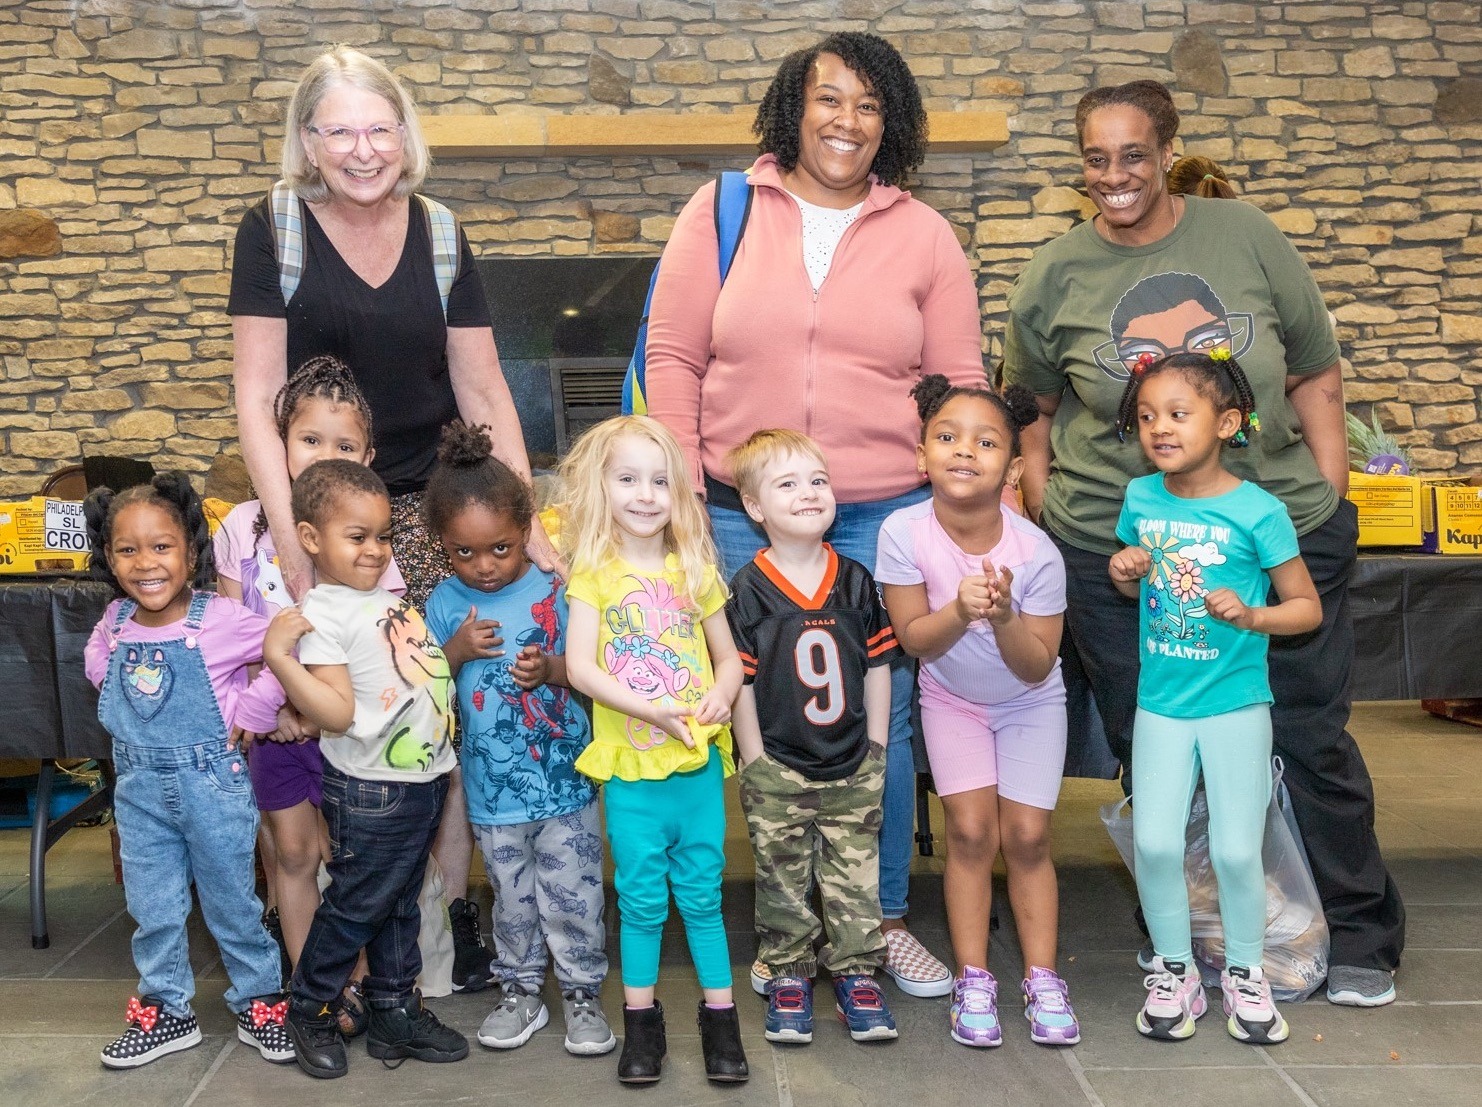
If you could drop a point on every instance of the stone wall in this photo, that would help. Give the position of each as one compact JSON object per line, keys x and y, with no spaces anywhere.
{"x":133,"y":135}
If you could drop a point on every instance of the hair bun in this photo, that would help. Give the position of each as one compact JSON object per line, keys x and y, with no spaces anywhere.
{"x":928,"y":393}
{"x":1022,"y":405}
{"x":463,"y":445}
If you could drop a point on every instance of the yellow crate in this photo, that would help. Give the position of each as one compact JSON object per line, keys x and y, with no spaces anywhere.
{"x":1389,"y":509}
{"x":41,"y":535}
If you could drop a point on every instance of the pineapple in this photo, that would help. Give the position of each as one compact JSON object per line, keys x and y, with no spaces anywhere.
{"x":1366,"y":442}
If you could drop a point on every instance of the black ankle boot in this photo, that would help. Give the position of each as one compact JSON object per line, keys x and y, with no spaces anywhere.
{"x":644,"y":1044}
{"x":407,"y":1029}
{"x":720,"y":1039}
{"x":472,"y":959}
{"x":317,"y":1045}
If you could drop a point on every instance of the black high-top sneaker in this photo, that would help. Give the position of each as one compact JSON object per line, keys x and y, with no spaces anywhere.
{"x":472,"y":959}
{"x":314,"y":1031}
{"x":402,"y":1028}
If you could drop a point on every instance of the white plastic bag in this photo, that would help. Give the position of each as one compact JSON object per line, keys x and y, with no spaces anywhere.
{"x":435,"y":939}
{"x":1296,"y":952}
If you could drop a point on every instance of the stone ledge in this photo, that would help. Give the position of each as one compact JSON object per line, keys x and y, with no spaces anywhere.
{"x":536,"y":136}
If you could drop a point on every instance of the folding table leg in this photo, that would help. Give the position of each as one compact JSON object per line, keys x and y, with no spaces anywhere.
{"x":40,"y":825}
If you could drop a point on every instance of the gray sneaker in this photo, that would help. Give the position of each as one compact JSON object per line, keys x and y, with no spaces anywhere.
{"x":587,"y":1031}
{"x":1349,"y":986}
{"x":515,"y":1017}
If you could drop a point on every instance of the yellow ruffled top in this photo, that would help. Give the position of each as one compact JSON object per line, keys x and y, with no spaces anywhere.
{"x":650,"y":640}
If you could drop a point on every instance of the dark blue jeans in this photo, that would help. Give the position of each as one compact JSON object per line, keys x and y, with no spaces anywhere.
{"x":380,"y":833}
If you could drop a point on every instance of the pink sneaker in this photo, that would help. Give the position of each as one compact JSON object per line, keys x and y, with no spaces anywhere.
{"x":1251,"y":1013}
{"x":1175,"y":1000}
{"x":914,"y":970}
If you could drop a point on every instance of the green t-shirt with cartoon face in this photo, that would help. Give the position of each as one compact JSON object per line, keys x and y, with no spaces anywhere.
{"x":1084,"y":309}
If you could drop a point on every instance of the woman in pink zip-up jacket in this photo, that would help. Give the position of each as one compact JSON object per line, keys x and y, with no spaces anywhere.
{"x":844,"y":292}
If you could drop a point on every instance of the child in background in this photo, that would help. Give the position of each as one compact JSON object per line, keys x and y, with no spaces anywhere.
{"x":977,"y":592}
{"x":646,"y":625}
{"x":172,"y":665}
{"x":320,"y":414}
{"x":534,"y":816}
{"x":1204,"y":548}
{"x":816,"y":648}
{"x":376,"y":686}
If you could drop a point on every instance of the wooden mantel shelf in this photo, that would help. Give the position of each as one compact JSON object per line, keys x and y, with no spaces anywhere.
{"x":535,"y":136}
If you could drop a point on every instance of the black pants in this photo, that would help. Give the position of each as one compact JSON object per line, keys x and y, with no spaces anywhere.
{"x":1332,"y":795}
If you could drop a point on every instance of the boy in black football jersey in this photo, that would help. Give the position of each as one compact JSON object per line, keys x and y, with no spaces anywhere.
{"x":811,"y":723}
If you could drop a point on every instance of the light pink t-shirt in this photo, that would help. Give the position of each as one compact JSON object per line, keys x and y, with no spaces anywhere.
{"x":914,"y":549}
{"x":253,"y":562}
{"x":230,"y":639}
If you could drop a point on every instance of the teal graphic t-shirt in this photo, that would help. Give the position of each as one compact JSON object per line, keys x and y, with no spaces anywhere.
{"x":1194,"y":665}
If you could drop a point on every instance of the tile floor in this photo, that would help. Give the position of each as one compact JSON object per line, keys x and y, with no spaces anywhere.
{"x":59,"y":1006}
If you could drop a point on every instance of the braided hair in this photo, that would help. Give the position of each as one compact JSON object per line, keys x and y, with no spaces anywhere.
{"x":468,"y":472}
{"x":320,"y":378}
{"x":1216,"y":376}
{"x":173,"y":494}
{"x":1016,"y":404}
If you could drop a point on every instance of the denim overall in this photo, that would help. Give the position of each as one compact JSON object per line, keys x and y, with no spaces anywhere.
{"x":184,"y":808}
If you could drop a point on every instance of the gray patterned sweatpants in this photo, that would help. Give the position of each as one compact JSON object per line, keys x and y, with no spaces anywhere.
{"x":547,"y":879}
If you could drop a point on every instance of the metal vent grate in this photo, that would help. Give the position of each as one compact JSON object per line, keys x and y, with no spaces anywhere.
{"x":584,"y":391}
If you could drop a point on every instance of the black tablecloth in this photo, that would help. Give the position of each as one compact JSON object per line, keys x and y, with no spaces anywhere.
{"x":1418,"y":621}
{"x":49,"y":708}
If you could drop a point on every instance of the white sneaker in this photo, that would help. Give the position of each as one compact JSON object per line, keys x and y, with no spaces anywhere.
{"x":1175,"y":1000}
{"x":1251,"y":1013}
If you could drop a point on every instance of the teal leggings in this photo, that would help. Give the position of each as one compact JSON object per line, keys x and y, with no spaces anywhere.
{"x":667,"y":834}
{"x":1234,"y":750}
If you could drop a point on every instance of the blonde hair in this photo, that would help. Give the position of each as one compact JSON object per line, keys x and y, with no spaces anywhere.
{"x":344,"y":65}
{"x":589,"y":533}
{"x":1196,"y":175}
{"x":748,"y":460}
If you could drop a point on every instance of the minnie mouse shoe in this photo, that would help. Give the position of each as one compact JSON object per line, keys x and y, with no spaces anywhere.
{"x":152,"y":1033}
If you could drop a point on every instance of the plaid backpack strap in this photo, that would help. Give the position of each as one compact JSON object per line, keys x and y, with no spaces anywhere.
{"x":442,"y":228}
{"x":288,"y":236}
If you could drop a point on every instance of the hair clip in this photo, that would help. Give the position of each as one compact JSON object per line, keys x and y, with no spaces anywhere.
{"x":1220,"y":353}
{"x":1143,"y":363}
{"x":1240,"y":439}
{"x":1254,"y":421}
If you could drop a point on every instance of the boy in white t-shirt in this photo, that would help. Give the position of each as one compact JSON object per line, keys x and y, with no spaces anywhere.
{"x":371,"y":678}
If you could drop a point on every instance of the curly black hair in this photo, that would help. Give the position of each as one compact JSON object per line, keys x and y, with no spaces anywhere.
{"x":1221,"y":381}
{"x":1016,"y":403}
{"x":320,"y":486}
{"x":880,"y":66}
{"x":173,"y":494}
{"x":468,"y":472}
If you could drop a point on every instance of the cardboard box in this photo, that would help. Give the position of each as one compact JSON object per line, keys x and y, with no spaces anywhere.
{"x":40,"y":535}
{"x":1454,"y":519}
{"x":1389,"y":509}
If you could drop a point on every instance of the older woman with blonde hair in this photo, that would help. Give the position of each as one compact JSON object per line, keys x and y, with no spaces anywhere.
{"x":345,"y":259}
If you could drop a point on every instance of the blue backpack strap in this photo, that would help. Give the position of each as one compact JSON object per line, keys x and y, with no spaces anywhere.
{"x":442,"y":228}
{"x":732,"y":209}
{"x":288,"y":237}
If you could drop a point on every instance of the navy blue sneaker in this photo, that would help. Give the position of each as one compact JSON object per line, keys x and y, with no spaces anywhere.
{"x":789,"y":1010}
{"x":862,"y":1009}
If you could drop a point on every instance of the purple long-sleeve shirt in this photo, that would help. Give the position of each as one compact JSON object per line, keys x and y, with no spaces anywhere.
{"x":230,"y":639}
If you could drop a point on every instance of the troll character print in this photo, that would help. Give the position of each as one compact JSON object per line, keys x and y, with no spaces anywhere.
{"x":640,"y":661}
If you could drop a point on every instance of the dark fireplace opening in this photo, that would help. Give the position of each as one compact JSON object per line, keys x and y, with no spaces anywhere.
{"x":565,"y":329}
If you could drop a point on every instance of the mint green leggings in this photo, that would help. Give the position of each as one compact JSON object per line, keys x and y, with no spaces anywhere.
{"x":1234,"y":751}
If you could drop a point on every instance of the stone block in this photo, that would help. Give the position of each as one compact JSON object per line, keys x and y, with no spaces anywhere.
{"x":176,"y":396}
{"x":1459,"y":101}
{"x":1369,"y":61}
{"x":1394,"y":416}
{"x":23,"y":304}
{"x":53,"y":445}
{"x":1359,"y":312}
{"x":46,"y":192}
{"x":141,"y":43}
{"x":1365,"y":236}
{"x":1446,"y":228}
{"x":993,"y":232}
{"x":1456,"y":329}
{"x":97,"y":399}
{"x":1060,"y":200}
{"x":144,"y":425}
{"x":1435,"y":392}
{"x":161,"y":143}
{"x":1445,"y":415}
{"x":613,"y":226}
{"x":25,"y":232}
{"x":173,"y":259}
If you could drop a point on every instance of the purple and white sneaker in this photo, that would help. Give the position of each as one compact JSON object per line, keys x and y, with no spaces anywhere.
{"x":1047,"y":1007}
{"x":974,"y":1011}
{"x":1252,"y":1015}
{"x":1175,"y":1000}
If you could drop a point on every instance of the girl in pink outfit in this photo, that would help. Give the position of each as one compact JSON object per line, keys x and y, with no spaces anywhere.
{"x":977,"y":592}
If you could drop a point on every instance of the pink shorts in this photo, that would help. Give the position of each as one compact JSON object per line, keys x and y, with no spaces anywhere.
{"x":1017,"y":746}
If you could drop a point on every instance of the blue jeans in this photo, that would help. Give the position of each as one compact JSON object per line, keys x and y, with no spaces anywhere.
{"x":856,"y":534}
{"x":380,"y":833}
{"x":187,"y":813}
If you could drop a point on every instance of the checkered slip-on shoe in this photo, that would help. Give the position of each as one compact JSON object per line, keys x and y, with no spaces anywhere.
{"x":152,"y":1033}
{"x":261,"y":1027}
{"x":761,"y":976}
{"x":911,"y":965}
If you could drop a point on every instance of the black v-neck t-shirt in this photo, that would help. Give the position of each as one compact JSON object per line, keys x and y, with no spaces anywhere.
{"x":393,"y":337}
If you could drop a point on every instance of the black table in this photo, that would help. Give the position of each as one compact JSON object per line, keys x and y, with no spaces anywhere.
{"x":53,"y":710}
{"x":1418,"y":622}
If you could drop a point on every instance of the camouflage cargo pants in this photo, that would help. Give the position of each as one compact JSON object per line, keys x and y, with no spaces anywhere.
{"x":816,"y":831}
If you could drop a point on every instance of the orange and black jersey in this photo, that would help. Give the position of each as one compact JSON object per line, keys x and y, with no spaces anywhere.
{"x":807,"y":656}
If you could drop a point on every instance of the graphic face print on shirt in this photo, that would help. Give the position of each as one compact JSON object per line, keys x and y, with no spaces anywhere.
{"x":421,"y":669}
{"x":1169,"y":313}
{"x":644,"y":622}
{"x":1182,"y":555}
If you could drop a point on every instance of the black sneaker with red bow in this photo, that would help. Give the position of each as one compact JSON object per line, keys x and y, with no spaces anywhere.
{"x":261,"y":1027}
{"x":152,"y":1033}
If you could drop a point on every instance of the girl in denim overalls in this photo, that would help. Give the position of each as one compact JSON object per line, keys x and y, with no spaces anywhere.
{"x":171,"y":663}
